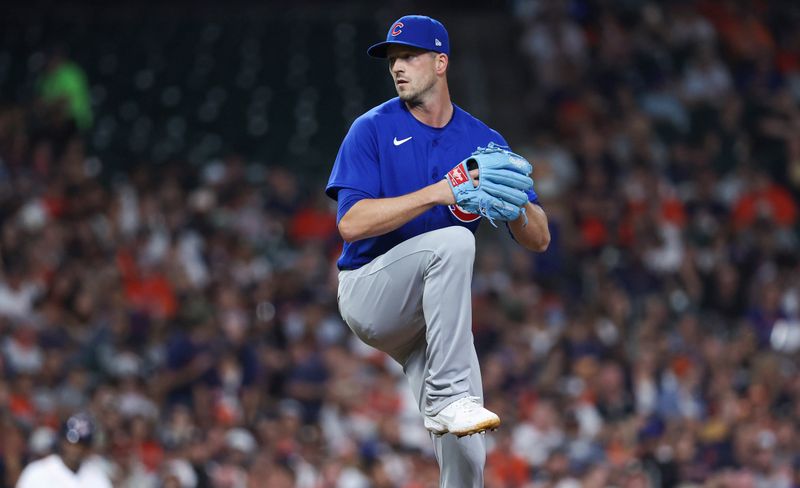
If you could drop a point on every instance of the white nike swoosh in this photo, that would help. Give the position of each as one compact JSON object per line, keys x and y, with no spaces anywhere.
{"x":397,"y":143}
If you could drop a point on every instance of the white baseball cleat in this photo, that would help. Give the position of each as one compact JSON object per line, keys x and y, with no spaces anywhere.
{"x":464,"y":416}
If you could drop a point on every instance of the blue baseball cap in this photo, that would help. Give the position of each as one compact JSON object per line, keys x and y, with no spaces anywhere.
{"x":78,"y":429}
{"x":416,"y":31}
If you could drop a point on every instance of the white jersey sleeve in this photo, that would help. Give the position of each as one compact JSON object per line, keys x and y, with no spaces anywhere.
{"x":33,"y":476}
{"x":50,"y":472}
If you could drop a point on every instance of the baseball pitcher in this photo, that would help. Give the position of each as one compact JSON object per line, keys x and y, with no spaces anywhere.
{"x":413,"y":179}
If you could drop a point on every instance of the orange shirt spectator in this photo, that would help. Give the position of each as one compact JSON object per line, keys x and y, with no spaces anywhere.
{"x":147,"y":290}
{"x":314,"y":223}
{"x":741,"y":29}
{"x":506,"y":468}
{"x":765,"y":200}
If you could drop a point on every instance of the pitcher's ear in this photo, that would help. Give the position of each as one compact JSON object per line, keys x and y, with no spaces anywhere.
{"x":442,"y":60}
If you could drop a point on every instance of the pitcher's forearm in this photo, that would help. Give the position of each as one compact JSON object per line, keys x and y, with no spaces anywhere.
{"x":372,"y":217}
{"x":536,"y":235}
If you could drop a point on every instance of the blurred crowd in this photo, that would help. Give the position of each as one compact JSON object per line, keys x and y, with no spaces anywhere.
{"x":191,"y":310}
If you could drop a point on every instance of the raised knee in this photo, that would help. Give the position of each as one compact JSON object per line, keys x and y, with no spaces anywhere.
{"x":455,"y":241}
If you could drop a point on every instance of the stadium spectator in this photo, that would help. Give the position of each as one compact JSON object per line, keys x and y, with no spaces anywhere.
{"x":64,"y":90}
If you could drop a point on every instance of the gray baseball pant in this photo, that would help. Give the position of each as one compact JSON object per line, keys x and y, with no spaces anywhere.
{"x":414,"y":302}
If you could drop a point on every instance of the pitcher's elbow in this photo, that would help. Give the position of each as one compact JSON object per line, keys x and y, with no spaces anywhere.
{"x":347,"y":230}
{"x":543,"y":244}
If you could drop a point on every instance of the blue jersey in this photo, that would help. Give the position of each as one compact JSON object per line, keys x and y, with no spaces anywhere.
{"x":389,"y":153}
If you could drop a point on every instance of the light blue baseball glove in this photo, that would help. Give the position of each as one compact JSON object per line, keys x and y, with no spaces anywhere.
{"x":503,"y":180}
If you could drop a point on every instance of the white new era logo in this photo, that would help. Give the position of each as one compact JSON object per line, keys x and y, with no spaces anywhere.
{"x":437,"y":42}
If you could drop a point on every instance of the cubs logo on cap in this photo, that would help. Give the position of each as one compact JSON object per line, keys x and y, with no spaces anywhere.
{"x":395,"y":30}
{"x":416,"y":31}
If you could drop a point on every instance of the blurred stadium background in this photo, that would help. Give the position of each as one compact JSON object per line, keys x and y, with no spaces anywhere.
{"x":167,"y":255}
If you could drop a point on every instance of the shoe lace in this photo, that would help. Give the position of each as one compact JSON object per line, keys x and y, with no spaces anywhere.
{"x":471,"y":403}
